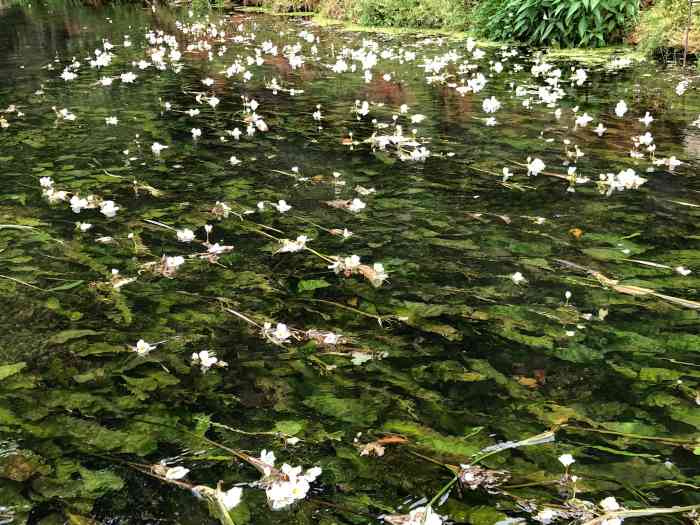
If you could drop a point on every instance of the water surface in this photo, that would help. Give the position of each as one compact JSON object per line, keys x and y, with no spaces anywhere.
{"x":512,"y":307}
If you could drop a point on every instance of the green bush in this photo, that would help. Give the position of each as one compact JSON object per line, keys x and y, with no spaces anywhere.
{"x":450,"y":14}
{"x":290,"y":6}
{"x":564,"y":23}
{"x":663,"y":27}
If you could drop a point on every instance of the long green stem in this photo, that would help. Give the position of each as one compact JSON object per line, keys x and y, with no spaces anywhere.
{"x":671,"y":441}
{"x":639,"y":513}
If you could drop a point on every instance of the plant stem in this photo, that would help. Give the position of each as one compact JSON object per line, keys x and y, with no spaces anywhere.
{"x":639,"y":513}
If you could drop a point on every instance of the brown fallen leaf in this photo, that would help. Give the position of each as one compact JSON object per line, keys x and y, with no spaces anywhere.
{"x":576,"y":233}
{"x":529,"y":382}
{"x":377,"y":448}
{"x":340,"y":204}
{"x":392,"y":440}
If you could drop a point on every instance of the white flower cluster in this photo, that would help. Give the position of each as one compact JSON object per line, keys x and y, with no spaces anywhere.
{"x":206,"y":360}
{"x":293,"y":246}
{"x":107,"y":208}
{"x":287,"y":485}
{"x":375,"y":274}
{"x":625,"y":180}
{"x":280,"y":334}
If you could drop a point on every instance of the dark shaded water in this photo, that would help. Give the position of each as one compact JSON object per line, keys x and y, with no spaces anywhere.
{"x":511,"y":307}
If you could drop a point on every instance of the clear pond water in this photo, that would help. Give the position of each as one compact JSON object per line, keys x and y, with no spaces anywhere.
{"x":505,"y":304}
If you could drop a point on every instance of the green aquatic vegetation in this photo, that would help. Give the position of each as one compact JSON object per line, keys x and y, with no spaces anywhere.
{"x":389,"y":260}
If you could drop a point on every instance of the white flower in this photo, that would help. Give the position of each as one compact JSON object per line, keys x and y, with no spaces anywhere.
{"x":65,"y":114}
{"x":83,"y":226}
{"x":77,"y":204}
{"x":185,"y":235}
{"x":566,"y":459}
{"x":331,"y":339}
{"x":268,"y":458}
{"x":609,"y":504}
{"x":234,"y":160}
{"x":282,"y":206}
{"x":352,"y":262}
{"x":580,"y":77}
{"x":682,"y":270}
{"x":176,"y":473}
{"x":282,"y":492}
{"x":646,"y":119}
{"x":221,"y":208}
{"x":621,"y":109}
{"x":417,"y":119}
{"x":646,"y":139}
{"x":142,"y":348}
{"x":108,"y":209}
{"x":106,"y":81}
{"x":68,"y":75}
{"x":682,"y":87}
{"x":507,"y":174}
{"x":231,"y":498}
{"x":625,"y":180}
{"x":205,"y":359}
{"x":360,"y":189}
{"x":491,"y":105}
{"x":196,"y":133}
{"x":534,"y":166}
{"x":673,"y":163}
{"x":128,"y":78}
{"x":600,"y":130}
{"x":546,"y":516}
{"x":518,"y":278}
{"x":157,"y":147}
{"x":46,"y":182}
{"x":173,"y":263}
{"x":217,"y":249}
{"x":293,"y":246}
{"x":356,"y":205}
{"x":281,"y":332}
{"x":111,"y":121}
{"x":583,"y":120}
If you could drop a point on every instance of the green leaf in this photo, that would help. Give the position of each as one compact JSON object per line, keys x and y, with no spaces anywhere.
{"x":68,"y":335}
{"x":312,"y":284}
{"x":66,"y":286}
{"x":290,"y":427}
{"x":10,"y":370}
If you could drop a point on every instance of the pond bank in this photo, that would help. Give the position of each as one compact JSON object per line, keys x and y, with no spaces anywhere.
{"x":659,"y":29}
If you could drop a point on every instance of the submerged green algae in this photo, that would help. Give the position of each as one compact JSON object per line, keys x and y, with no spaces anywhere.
{"x":450,"y":354}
